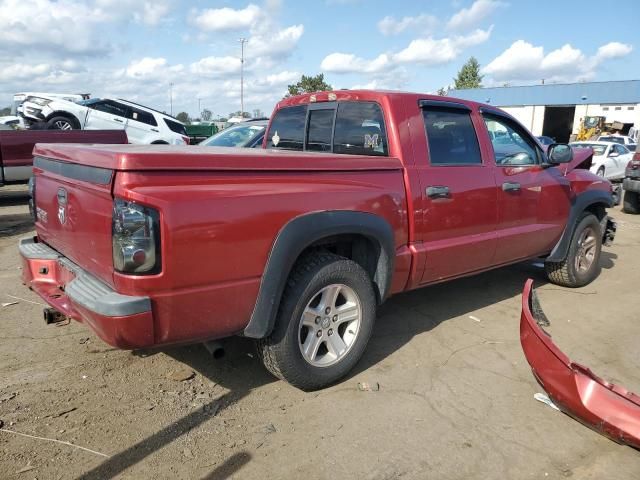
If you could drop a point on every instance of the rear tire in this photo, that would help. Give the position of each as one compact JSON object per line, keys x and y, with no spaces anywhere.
{"x":582,"y":264}
{"x":631,"y":202}
{"x":60,"y":123}
{"x":324,"y":322}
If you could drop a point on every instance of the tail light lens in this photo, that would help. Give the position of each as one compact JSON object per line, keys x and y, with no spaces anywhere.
{"x":186,"y":139}
{"x":136,"y":238}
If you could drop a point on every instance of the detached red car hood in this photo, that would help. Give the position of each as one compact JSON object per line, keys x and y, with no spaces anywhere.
{"x":607,"y":408}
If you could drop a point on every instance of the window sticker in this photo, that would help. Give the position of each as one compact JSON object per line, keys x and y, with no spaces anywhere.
{"x":275,"y":139}
{"x":371,"y":141}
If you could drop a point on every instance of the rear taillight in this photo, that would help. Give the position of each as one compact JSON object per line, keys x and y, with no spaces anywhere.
{"x":32,"y":197}
{"x":187,"y":140}
{"x":136,"y":238}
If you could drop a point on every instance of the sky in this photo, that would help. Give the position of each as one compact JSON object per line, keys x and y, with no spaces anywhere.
{"x":135,"y":49}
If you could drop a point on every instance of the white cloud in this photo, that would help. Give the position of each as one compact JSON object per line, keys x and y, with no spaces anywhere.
{"x":225,"y":19}
{"x":150,"y":67}
{"x":392,"y":26}
{"x":278,"y":43}
{"x":523,"y":61}
{"x":424,"y":51}
{"x":470,"y":17}
{"x":216,"y":66}
{"x":613,"y":50}
{"x":349,"y":63}
{"x":70,"y":27}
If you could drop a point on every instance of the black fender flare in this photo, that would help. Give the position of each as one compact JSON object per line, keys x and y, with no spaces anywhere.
{"x":579,"y":205}
{"x":300,"y":233}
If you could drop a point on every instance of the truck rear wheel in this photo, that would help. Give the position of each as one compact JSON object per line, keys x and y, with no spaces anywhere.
{"x":324,"y":322}
{"x":582,"y":264}
{"x":631,"y":202}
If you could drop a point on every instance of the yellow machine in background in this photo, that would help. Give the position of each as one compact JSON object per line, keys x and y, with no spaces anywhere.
{"x":590,"y":129}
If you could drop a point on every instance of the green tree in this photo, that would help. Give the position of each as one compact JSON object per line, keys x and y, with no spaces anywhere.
{"x":183,"y":117}
{"x":5,"y":111}
{"x":309,"y":85}
{"x":469,"y":75}
{"x":206,"y":114}
{"x":442,"y":92}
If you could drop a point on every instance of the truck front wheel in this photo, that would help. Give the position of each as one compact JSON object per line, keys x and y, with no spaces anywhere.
{"x":631,"y":202}
{"x":323,"y":324}
{"x":582,"y":264}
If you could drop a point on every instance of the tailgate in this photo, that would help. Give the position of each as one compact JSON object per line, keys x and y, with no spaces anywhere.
{"x":73,"y":206}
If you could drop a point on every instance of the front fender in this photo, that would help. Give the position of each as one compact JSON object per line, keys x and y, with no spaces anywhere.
{"x":581,"y":203}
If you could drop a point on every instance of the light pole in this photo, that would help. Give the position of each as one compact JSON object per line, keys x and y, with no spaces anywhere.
{"x":242,"y":42}
{"x":171,"y":98}
{"x":199,"y":110}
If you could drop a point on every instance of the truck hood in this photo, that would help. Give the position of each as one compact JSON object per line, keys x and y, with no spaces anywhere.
{"x":582,"y":159}
{"x":176,"y":157}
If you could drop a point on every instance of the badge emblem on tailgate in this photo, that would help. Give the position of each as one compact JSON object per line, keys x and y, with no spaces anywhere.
{"x":62,"y":205}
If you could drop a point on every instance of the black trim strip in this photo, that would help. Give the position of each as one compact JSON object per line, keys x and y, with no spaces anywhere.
{"x":443,"y":104}
{"x":84,"y":173}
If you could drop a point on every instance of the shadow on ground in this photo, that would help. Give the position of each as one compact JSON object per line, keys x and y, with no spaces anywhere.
{"x":14,"y":223}
{"x":240,"y":371}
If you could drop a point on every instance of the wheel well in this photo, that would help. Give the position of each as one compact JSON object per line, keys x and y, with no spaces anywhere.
{"x":159,"y":142}
{"x":598,"y":209}
{"x":74,"y":120}
{"x":365,"y":251}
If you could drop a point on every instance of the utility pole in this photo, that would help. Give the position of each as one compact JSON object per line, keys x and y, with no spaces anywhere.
{"x":171,"y":98}
{"x":199,"y":110}
{"x":242,"y":42}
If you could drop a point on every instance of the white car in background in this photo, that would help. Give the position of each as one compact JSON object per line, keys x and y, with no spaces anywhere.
{"x":621,"y":139}
{"x":142,"y":124}
{"x":610,"y":159}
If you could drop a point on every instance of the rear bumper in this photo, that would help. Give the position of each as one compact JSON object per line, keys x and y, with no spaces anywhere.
{"x":575,"y":389}
{"x":120,"y":320}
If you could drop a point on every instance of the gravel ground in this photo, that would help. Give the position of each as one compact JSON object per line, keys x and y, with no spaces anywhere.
{"x":455,"y":398}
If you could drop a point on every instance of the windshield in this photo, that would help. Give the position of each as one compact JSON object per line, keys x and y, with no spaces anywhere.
{"x":238,"y":136}
{"x":597,"y":149}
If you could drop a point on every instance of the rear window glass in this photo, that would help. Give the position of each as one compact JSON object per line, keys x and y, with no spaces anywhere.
{"x":175,"y":127}
{"x":360,"y":129}
{"x":612,"y":139}
{"x":451,"y":136}
{"x":287,"y":128}
{"x":320,"y":129}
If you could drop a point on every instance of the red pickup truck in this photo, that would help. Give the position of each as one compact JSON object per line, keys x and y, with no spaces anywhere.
{"x":16,"y":147}
{"x":359,"y":195}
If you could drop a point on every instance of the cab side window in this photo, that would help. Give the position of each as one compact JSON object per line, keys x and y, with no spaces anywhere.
{"x":451,"y":137}
{"x":360,"y":129}
{"x":511,"y":144}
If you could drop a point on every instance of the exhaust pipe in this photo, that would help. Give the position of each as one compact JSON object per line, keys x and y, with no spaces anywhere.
{"x":51,"y":315}
{"x":215,"y":349}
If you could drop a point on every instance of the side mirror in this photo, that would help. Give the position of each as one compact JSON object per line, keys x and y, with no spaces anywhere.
{"x":559,"y":153}
{"x":613,"y":154}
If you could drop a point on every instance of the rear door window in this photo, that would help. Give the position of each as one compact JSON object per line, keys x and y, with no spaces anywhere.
{"x":287,"y":128}
{"x":451,"y":136}
{"x":110,"y":107}
{"x":360,"y":129}
{"x":175,"y":127}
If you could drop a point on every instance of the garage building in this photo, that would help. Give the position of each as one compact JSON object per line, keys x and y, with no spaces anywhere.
{"x":557,"y":110}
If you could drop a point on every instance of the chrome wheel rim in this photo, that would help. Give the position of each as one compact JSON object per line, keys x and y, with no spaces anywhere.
{"x":586,"y":253}
{"x":329,"y":325}
{"x":62,"y":125}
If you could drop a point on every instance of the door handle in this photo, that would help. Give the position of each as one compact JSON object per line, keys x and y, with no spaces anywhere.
{"x":438,"y":191}
{"x":511,"y":187}
{"x":118,"y":120}
{"x":155,"y":130}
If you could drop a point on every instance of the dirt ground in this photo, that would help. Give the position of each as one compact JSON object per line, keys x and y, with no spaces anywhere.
{"x":455,"y":398}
